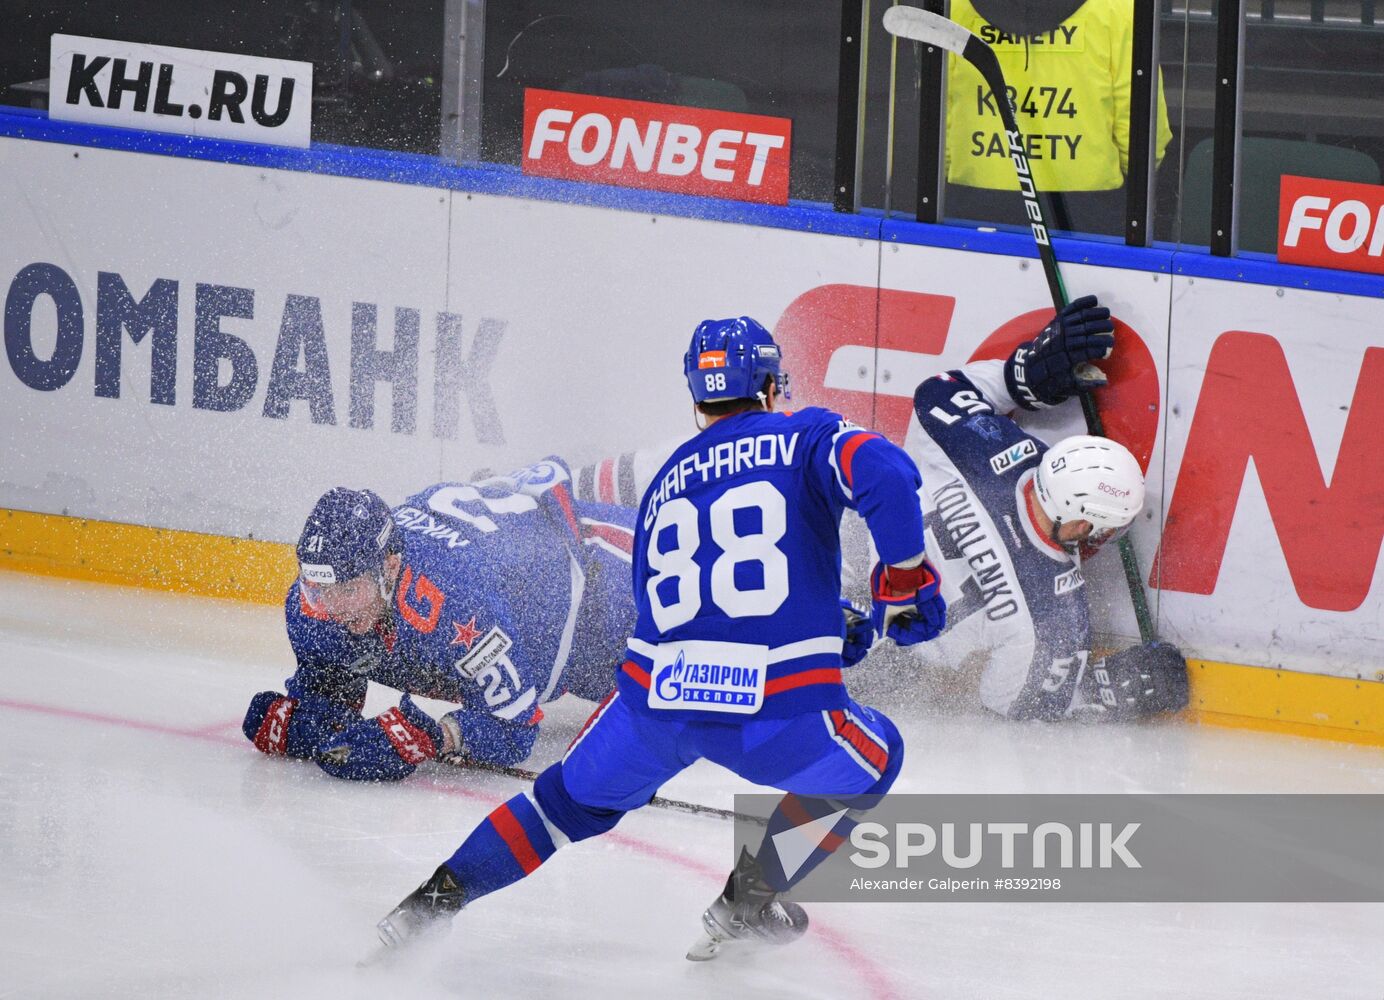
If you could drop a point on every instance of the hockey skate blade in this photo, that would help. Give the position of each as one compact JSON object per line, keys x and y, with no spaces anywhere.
{"x":704,"y":949}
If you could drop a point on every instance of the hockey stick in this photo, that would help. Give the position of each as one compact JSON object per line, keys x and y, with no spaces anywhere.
{"x":936,"y":30}
{"x":676,"y":805}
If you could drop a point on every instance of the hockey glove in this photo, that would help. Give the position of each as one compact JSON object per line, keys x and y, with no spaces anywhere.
{"x":1138,"y":682}
{"x":478,"y":736}
{"x":907,"y":604}
{"x":277,"y":724}
{"x":386,"y":748}
{"x":1056,"y":364}
{"x":860,"y":634}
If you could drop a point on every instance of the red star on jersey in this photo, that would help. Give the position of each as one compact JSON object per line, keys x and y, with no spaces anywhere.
{"x":466,"y":634}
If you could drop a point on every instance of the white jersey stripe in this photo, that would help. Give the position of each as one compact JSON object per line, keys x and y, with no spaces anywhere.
{"x":874,"y":737}
{"x":559,"y":838}
{"x":569,"y":628}
{"x":601,"y":543}
{"x":777,"y":654}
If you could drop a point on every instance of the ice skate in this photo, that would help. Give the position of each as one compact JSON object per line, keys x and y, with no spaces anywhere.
{"x":426,"y":909}
{"x":747,"y":912}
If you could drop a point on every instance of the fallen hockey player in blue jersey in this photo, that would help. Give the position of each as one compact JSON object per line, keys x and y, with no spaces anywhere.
{"x":498,"y":595}
{"x":1011,"y":521}
{"x":737,"y":652}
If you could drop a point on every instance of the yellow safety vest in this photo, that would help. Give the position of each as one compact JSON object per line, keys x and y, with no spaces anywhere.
{"x":1071,"y":89}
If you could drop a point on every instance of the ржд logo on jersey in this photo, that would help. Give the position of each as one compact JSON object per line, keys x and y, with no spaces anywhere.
{"x":1013,"y":456}
{"x":1065,"y":583}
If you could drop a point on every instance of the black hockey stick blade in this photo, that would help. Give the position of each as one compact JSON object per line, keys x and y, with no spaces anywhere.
{"x":658,"y":802}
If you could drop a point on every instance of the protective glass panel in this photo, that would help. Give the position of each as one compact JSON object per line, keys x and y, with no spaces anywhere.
{"x":1068,"y":65}
{"x":1314,"y":73}
{"x":377,"y":66}
{"x":771,"y":57}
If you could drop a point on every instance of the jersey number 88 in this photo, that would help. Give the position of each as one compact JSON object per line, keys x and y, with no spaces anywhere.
{"x":679,"y":563}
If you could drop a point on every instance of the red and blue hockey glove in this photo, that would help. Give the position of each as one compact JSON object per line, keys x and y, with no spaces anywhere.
{"x":860,"y":634}
{"x":907,"y":604}
{"x":277,"y":724}
{"x":1056,"y":364}
{"x":386,"y":748}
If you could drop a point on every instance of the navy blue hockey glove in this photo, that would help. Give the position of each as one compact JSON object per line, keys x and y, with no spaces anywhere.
{"x":907,"y":604}
{"x":1137,"y":682}
{"x":1055,"y":365}
{"x":386,"y":748}
{"x":480,"y":737}
{"x":277,"y":724}
{"x":860,"y":634}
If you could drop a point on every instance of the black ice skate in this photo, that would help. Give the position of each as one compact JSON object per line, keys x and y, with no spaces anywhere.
{"x":748,"y":912}
{"x":428,"y":907}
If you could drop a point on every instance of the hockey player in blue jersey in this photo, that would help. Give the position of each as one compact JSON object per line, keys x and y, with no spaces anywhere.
{"x":1011,"y":521}
{"x":737,"y":651}
{"x":497,"y":595}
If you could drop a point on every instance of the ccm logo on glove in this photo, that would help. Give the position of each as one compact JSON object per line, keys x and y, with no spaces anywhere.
{"x":411,"y":744}
{"x":666,"y":147}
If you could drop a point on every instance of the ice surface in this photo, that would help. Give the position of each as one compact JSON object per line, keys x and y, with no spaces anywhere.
{"x":146,"y":850}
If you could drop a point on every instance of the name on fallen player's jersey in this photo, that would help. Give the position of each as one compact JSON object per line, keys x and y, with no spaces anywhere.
{"x":729,"y":458}
{"x":413,"y":519}
{"x":961,"y":535}
{"x":493,"y":645}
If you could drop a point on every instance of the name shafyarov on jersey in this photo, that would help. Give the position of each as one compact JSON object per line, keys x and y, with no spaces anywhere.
{"x":729,"y":458}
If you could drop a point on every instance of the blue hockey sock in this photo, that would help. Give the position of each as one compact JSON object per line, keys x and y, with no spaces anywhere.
{"x":787,"y":860}
{"x":507,"y":845}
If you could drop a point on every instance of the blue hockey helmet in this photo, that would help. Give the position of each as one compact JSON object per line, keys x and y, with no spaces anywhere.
{"x":348,"y":534}
{"x":730,"y":359}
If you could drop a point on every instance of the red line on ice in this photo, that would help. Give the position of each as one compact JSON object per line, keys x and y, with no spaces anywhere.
{"x":875,"y":978}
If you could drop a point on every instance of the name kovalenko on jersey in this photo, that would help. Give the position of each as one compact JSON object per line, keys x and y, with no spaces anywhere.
{"x":728,"y":458}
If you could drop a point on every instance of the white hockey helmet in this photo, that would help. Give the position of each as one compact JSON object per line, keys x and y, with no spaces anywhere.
{"x":1093,"y":479}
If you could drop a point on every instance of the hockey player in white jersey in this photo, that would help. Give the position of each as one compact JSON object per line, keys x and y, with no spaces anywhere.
{"x":1014,"y":520}
{"x":1011,"y":520}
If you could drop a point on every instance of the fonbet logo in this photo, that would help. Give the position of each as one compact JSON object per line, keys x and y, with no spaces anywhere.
{"x":1331,"y":224}
{"x":665,"y":147}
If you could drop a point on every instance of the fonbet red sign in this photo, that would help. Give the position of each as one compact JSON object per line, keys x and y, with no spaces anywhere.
{"x":605,"y":140}
{"x":1331,"y":224}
